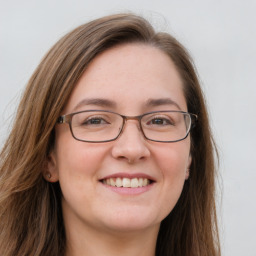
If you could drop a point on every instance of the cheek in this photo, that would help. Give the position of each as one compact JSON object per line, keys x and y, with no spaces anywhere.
{"x":78,"y":158}
{"x":78,"y":168}
{"x":174,"y":167}
{"x":174,"y":159}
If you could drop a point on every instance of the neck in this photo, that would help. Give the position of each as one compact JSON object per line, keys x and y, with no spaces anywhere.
{"x":91,"y":242}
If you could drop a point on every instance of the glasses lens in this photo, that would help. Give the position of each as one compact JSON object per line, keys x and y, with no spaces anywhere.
{"x":100,"y":126}
{"x":166,"y":126}
{"x":96,"y":126}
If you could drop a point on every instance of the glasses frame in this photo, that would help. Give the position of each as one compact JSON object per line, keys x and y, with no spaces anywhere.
{"x":68,"y":120}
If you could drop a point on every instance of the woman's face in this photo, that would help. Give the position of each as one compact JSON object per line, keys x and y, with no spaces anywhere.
{"x":131,"y":80}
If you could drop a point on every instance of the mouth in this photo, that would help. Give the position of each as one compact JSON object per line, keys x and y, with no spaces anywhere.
{"x":127,"y":182}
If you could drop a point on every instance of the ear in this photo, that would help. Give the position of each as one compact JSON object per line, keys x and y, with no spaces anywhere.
{"x":50,"y":170}
{"x":188,"y":167}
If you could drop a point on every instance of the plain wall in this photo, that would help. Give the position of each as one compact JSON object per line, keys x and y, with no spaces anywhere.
{"x":221,"y":37}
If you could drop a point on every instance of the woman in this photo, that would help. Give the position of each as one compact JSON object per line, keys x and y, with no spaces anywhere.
{"x":111,"y":151}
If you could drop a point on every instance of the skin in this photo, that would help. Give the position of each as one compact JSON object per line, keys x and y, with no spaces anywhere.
{"x":98,"y":220}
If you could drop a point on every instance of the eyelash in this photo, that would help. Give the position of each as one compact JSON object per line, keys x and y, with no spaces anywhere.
{"x":166,"y":121}
{"x":94,"y":118}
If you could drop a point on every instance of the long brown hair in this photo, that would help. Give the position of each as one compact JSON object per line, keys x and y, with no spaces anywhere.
{"x":30,"y":210}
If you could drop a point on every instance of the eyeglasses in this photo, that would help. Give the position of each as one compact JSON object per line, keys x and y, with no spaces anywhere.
{"x":102,"y":126}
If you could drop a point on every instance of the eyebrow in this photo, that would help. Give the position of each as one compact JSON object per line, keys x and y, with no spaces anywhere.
{"x":97,"y":102}
{"x":111,"y":104}
{"x":161,"y":101}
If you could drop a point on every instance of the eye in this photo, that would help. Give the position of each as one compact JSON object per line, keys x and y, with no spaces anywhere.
{"x":94,"y":121}
{"x":160,"y":121}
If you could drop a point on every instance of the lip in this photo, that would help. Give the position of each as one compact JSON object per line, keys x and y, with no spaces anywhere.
{"x":129,"y":191}
{"x":128,"y":175}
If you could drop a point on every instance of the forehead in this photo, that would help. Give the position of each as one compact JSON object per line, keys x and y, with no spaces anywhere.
{"x":129,"y":75}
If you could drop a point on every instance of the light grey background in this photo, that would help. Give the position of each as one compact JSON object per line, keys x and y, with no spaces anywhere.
{"x":221,"y":36}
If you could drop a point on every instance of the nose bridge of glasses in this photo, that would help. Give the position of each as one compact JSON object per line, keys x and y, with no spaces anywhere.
{"x":137,"y":120}
{"x":132,"y":118}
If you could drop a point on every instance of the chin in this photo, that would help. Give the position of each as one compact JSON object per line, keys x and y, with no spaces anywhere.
{"x":131,"y":221}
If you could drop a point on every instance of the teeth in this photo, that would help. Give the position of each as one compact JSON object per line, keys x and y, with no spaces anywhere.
{"x":112,"y":182}
{"x":140,"y":182}
{"x":126,"y":182}
{"x":134,"y":183}
{"x":119,"y":182}
{"x":145,"y":182}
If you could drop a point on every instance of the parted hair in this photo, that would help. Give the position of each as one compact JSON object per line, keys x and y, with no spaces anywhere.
{"x":31,"y":221}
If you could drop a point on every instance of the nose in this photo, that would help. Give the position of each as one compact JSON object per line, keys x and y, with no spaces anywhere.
{"x":131,"y":146}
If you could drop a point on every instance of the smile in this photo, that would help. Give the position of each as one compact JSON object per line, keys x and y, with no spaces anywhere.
{"x":127,"y":182}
